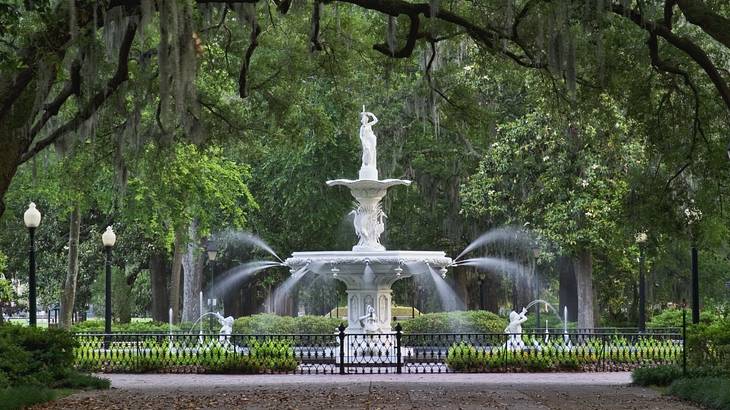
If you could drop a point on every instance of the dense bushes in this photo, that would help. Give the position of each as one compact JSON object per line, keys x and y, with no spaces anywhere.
{"x":185,"y":355}
{"x":656,"y":376}
{"x":473,"y":321}
{"x":673,"y":318}
{"x":97,"y":325}
{"x":33,"y":356}
{"x":713,"y":392}
{"x":269,"y":324}
{"x":708,"y":345}
{"x":34,"y":361}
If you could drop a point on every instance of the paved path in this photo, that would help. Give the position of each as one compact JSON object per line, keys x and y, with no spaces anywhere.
{"x":409,"y":391}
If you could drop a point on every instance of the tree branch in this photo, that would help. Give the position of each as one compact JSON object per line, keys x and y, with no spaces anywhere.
{"x":254,"y":42}
{"x":697,"y":13}
{"x":72,"y":87}
{"x":120,"y":76}
{"x":691,"y":49}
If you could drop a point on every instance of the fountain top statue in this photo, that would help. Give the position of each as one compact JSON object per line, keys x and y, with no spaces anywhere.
{"x":369,"y":168}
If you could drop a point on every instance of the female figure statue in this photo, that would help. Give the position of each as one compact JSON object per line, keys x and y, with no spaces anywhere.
{"x":368,"y":139}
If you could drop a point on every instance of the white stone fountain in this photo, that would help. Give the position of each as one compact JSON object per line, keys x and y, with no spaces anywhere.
{"x":369,"y":270}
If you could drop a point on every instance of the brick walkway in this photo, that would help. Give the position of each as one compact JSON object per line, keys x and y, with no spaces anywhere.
{"x":452,"y":391}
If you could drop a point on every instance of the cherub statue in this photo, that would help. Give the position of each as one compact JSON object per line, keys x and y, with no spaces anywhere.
{"x":369,"y":322}
{"x":514,"y":329}
{"x":226,"y":327}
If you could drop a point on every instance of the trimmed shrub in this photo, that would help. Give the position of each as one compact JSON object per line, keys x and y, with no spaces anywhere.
{"x":713,"y":392}
{"x":472,"y":321}
{"x":673,"y":318}
{"x":270,"y":324}
{"x":708,"y":345}
{"x":21,"y":397}
{"x":656,"y":376}
{"x":34,"y":356}
{"x":97,"y":325}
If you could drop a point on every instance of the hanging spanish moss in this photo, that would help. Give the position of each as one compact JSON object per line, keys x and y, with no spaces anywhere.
{"x":73,"y":27}
{"x":391,"y":34}
{"x":146,"y":13}
{"x":600,"y":56}
{"x":434,"y":7}
{"x":508,"y":19}
{"x":115,"y":24}
{"x":178,"y":66}
{"x":570,"y":70}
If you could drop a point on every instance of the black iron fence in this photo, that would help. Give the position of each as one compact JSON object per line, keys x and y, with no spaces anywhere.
{"x":395,"y":352}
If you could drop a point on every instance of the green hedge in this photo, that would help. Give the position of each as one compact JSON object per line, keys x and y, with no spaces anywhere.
{"x":673,"y":318}
{"x":207,"y":355}
{"x":270,"y":324}
{"x":708,"y":345}
{"x":713,"y":392}
{"x":34,"y":356}
{"x":472,"y":321}
{"x":97,"y":325}
{"x":656,"y":376}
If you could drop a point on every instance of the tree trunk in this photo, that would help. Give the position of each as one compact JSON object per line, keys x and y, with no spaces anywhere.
{"x":158,"y":283}
{"x":568,"y":292}
{"x":175,"y":275}
{"x":69,"y":288}
{"x":192,"y":263}
{"x":583,"y":266}
{"x":493,"y":290}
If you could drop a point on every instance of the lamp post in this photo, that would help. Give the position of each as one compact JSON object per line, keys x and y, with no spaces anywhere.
{"x":32,"y":218}
{"x":641,"y":238}
{"x":535,"y":255}
{"x":694,"y":215}
{"x":108,"y":238}
{"x":211,"y":246}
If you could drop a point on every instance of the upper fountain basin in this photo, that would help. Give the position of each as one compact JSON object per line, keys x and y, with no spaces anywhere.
{"x":381,"y":262}
{"x":368,"y":184}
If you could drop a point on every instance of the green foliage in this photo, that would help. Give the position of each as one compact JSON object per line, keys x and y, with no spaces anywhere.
{"x":97,"y":325}
{"x":673,"y":318}
{"x":713,"y":392}
{"x":22,"y":397}
{"x":186,"y":354}
{"x":76,"y":380}
{"x":472,"y":321}
{"x":34,"y":356}
{"x":271,"y":324}
{"x":656,"y":376}
{"x":590,"y":354}
{"x":708,"y":345}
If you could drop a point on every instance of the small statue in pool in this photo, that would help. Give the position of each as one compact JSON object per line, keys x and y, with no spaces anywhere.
{"x":226,"y":327}
{"x":369,"y":322}
{"x":514,"y":329}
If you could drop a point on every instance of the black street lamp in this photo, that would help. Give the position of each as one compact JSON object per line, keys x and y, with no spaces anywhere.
{"x":108,"y":238}
{"x":211,"y":246}
{"x":641,"y":238}
{"x":32,"y":218}
{"x":695,"y":287}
